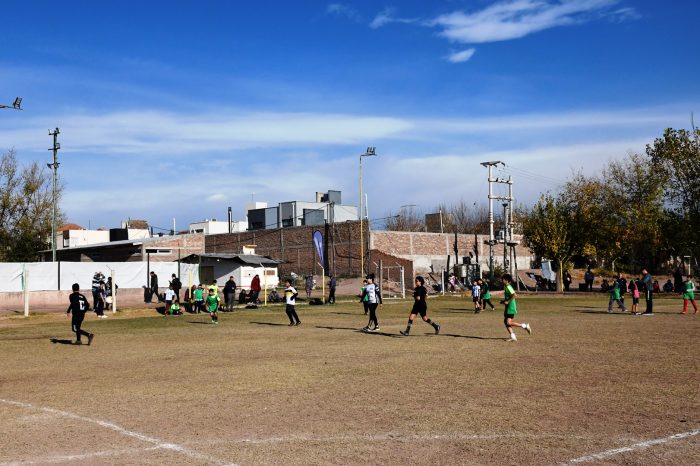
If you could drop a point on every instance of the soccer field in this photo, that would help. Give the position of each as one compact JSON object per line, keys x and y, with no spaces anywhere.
{"x":587,"y":387}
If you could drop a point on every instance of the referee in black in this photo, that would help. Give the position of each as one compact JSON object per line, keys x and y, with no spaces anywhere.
{"x":79,"y":306}
{"x":420,"y":307}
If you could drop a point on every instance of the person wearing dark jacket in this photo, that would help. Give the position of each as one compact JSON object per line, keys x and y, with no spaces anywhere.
{"x":230,"y":293}
{"x":176,"y":284}
{"x":154,"y":288}
{"x":648,"y":288}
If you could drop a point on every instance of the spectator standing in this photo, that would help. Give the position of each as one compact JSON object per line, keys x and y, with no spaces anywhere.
{"x":648,"y":289}
{"x":678,"y":284}
{"x":176,"y":285}
{"x":101,"y":301}
{"x":452,"y":280}
{"x":97,"y":279}
{"x":309,"y":285}
{"x":110,"y":290}
{"x":567,"y":280}
{"x":230,"y":293}
{"x":169,"y":297}
{"x":255,"y":289}
{"x":154,"y":288}
{"x":588,"y":278}
{"x":331,"y":293}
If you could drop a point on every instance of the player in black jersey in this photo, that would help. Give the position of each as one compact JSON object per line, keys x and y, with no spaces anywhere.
{"x":79,"y":306}
{"x":420,"y":306}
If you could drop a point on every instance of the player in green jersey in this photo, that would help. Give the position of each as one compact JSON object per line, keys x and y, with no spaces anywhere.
{"x":689,"y":294}
{"x":212,"y":303}
{"x":615,"y":297}
{"x":511,"y":308}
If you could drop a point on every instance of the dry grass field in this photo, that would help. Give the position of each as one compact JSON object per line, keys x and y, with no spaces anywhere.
{"x":586,"y":387}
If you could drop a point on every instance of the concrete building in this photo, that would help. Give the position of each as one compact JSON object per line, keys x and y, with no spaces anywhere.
{"x":242,"y":267}
{"x":327,"y":208}
{"x":214,"y":226}
{"x":71,"y":235}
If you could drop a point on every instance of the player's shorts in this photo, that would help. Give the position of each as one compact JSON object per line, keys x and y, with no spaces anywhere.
{"x":422,"y":310}
{"x":475,"y":299}
{"x":635,"y":300}
{"x":507,"y":316}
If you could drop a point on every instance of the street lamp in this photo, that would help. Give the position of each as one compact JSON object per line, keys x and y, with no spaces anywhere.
{"x":16,"y":105}
{"x":370,"y":152}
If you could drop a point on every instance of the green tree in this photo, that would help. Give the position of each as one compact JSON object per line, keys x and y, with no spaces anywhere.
{"x":26,"y":204}
{"x":551,"y":230}
{"x":676,"y":156}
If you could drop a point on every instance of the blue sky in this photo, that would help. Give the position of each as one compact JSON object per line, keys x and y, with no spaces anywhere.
{"x":179,"y":109}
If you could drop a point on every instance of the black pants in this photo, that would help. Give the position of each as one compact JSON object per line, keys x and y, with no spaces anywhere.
{"x":373,"y":314}
{"x":589,"y":286}
{"x":95,"y":297}
{"x":331,"y":296}
{"x":487,"y":301}
{"x":365,"y":304}
{"x":75,"y":324}
{"x":100,"y":308}
{"x":292,"y":314}
{"x":650,"y":304}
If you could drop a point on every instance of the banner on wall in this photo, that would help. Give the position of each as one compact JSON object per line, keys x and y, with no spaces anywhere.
{"x":318,"y":242}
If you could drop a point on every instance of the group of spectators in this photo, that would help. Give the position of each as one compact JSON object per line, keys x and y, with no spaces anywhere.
{"x":102,"y":290}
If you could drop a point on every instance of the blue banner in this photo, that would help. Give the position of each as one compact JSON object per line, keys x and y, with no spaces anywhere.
{"x":318,"y":242}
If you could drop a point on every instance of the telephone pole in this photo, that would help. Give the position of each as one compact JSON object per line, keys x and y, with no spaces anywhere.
{"x":507,"y":209}
{"x":54,"y":166}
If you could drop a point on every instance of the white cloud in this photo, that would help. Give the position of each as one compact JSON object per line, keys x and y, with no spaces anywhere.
{"x":460,"y":57}
{"x":387,"y":16}
{"x":216,"y":197}
{"x":341,"y":9}
{"x":514,"y":19}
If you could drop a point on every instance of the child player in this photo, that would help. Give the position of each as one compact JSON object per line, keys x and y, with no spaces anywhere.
{"x":633,"y":288}
{"x":198,"y":299}
{"x":290,"y":296}
{"x":79,"y":306}
{"x":420,"y":306}
{"x":485,"y":294}
{"x":476,"y":296}
{"x":615,"y":297}
{"x":212,"y":303}
{"x":374,"y":299}
{"x":689,"y":295}
{"x":511,"y":308}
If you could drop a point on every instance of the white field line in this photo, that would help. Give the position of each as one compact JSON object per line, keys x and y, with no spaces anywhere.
{"x":160,"y":444}
{"x":636,"y":446}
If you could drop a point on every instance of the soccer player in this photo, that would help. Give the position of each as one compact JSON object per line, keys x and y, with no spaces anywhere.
{"x":615,"y":297}
{"x":198,"y":298}
{"x":689,"y":295}
{"x":290,"y":296}
{"x":374,"y":299}
{"x":420,"y":306}
{"x":79,"y":306}
{"x":511,"y":308}
{"x":485,"y":294}
{"x":476,"y":294}
{"x":363,"y":297}
{"x":212,"y":303}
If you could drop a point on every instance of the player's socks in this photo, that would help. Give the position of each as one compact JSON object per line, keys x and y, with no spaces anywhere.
{"x":513,"y":337}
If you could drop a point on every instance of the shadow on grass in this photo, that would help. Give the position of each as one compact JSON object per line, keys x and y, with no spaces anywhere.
{"x":471,"y":337}
{"x":603,"y":311}
{"x":359,"y":330}
{"x":29,"y":337}
{"x":346,"y":313}
{"x":198,"y":322}
{"x":57,"y":341}
{"x":272,"y":324}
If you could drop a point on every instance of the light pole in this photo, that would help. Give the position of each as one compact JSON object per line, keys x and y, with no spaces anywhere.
{"x":54,"y":166}
{"x":370,"y":152}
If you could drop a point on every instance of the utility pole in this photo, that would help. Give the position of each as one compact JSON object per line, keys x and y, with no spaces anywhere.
{"x":507,"y":208}
{"x":54,"y":166}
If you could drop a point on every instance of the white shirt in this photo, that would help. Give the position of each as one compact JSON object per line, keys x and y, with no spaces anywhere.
{"x":169,"y":294}
{"x":476,"y":289}
{"x":289,"y":295}
{"x":372,"y":293}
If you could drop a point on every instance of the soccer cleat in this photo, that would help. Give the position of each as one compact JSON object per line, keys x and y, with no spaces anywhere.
{"x":609,"y":311}
{"x":404,"y":333}
{"x":90,"y":338}
{"x":528,"y":329}
{"x":78,"y":342}
{"x":513,"y":337}
{"x":365,"y":329}
{"x":298,"y":323}
{"x":437,"y":329}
